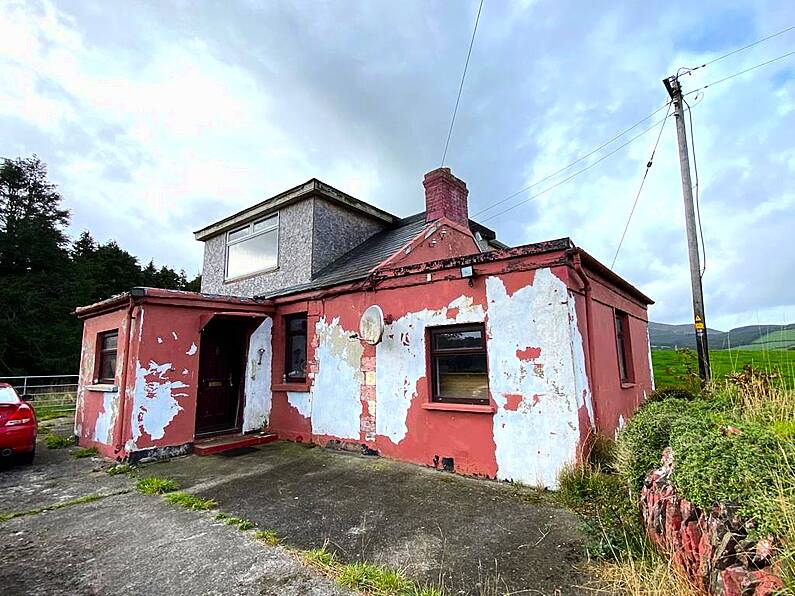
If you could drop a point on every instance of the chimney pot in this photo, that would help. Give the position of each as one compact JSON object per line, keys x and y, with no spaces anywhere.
{"x":445,"y":196}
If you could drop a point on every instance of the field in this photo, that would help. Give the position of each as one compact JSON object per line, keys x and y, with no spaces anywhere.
{"x":679,"y":368}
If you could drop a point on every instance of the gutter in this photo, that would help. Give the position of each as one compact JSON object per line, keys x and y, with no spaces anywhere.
{"x":118,"y":431}
{"x":589,"y":364}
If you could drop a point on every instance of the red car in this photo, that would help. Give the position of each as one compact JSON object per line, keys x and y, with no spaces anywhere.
{"x":17,"y":425}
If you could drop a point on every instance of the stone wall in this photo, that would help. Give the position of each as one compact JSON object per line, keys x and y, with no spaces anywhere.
{"x":711,"y":547}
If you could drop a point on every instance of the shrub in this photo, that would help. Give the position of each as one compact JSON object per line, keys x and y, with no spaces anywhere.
{"x":156,"y":486}
{"x":738,"y":464}
{"x":612,"y":518}
{"x":670,"y":393}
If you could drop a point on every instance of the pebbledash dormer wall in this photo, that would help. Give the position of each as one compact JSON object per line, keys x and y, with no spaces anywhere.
{"x":283,"y":241}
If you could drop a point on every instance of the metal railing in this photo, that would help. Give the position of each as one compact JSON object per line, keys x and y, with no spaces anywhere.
{"x":53,"y":395}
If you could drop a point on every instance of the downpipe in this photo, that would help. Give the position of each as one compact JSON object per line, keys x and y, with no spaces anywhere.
{"x":118,"y":439}
{"x":589,"y":364}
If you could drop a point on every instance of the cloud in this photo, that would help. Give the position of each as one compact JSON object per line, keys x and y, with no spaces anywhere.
{"x":160,"y":118}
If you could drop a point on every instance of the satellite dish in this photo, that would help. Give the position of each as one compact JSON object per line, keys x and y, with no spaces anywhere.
{"x":371,"y":325}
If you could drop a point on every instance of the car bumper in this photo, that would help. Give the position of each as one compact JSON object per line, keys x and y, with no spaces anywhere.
{"x":18,"y":440}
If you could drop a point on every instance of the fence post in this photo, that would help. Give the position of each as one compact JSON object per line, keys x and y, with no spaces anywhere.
{"x":25,"y":386}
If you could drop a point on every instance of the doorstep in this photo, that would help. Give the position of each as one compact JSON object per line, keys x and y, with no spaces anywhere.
{"x":223,"y":443}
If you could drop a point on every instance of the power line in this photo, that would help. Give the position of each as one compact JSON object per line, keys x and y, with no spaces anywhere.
{"x":640,"y":188}
{"x":737,"y":74}
{"x":577,"y":173}
{"x":461,"y":86}
{"x":575,"y":162}
{"x":750,"y":45}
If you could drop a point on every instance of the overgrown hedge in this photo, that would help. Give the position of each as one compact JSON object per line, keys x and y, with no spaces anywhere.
{"x":717,"y":459}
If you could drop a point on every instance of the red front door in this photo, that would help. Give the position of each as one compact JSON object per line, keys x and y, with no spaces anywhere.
{"x":222,"y":358}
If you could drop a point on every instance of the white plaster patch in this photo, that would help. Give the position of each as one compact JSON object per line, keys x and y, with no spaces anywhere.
{"x":336,"y":404}
{"x":537,"y":437}
{"x":154,"y":400}
{"x":192,"y":349}
{"x":103,"y":429}
{"x":301,"y":401}
{"x":160,"y":340}
{"x":257,"y":388}
{"x":174,"y":335}
{"x":400,"y":361}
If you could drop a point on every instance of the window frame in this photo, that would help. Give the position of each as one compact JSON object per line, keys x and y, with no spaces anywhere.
{"x":248,"y":236}
{"x":103,"y":353}
{"x":286,"y":343}
{"x":626,"y":371}
{"x":434,"y":352}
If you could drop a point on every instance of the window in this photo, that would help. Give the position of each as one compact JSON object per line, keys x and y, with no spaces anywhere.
{"x":252,"y":248}
{"x":295,"y":348}
{"x":458,"y":364}
{"x":623,"y":347}
{"x":108,"y":343}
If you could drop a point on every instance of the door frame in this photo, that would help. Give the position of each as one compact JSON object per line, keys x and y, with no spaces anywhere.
{"x":241,"y":394}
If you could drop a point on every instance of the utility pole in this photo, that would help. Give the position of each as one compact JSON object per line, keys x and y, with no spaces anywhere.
{"x":699,"y":321}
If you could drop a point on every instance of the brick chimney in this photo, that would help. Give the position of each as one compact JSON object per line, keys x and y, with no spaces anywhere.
{"x":445,"y":196}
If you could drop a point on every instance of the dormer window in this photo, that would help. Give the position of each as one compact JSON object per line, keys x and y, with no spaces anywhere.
{"x":253,"y":248}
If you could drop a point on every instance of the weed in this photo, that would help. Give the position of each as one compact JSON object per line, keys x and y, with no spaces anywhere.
{"x":85,"y":452}
{"x":373,"y":579}
{"x":319,"y":557}
{"x":119,"y":469}
{"x":191,"y":502}
{"x":230,"y":520}
{"x":156,"y":486}
{"x":268,"y":537}
{"x":79,"y":501}
{"x":221,"y":516}
{"x":58,"y":441}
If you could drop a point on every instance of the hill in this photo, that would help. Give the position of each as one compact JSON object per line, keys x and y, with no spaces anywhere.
{"x":749,"y":337}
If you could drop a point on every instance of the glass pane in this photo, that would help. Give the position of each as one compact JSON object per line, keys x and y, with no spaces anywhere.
{"x":252,"y":255}
{"x":447,"y":340}
{"x":266,"y":224}
{"x":296,"y":357}
{"x":297,"y":325}
{"x":237,"y":234}
{"x":110,"y":341}
{"x":462,"y":376}
{"x":8,"y":396}
{"x":107,"y":370}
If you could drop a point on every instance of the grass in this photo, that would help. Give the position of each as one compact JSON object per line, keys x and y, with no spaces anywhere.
{"x":156,"y":486}
{"x":268,"y":537}
{"x":58,"y":441}
{"x":79,"y":501}
{"x":120,"y":469}
{"x":366,"y":578}
{"x":230,"y":520}
{"x":84,"y":452}
{"x":191,"y":502}
{"x":679,"y":368}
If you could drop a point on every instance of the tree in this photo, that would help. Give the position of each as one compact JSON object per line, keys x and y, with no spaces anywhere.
{"x":33,"y":268}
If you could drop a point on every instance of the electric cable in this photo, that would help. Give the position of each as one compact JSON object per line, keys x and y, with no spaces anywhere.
{"x":575,"y":174}
{"x":575,"y":162}
{"x":726,"y":55}
{"x":461,"y":86}
{"x":640,"y":188}
{"x":737,"y":74}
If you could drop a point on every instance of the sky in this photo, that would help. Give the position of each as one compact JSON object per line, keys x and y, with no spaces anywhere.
{"x":158,"y":118}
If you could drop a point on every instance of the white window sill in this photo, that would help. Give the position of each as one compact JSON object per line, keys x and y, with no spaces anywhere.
{"x":102,"y":388}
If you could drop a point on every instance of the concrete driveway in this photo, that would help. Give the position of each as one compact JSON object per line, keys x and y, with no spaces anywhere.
{"x":469,"y":536}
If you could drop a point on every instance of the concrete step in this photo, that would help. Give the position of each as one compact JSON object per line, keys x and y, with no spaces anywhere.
{"x":228,"y":442}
